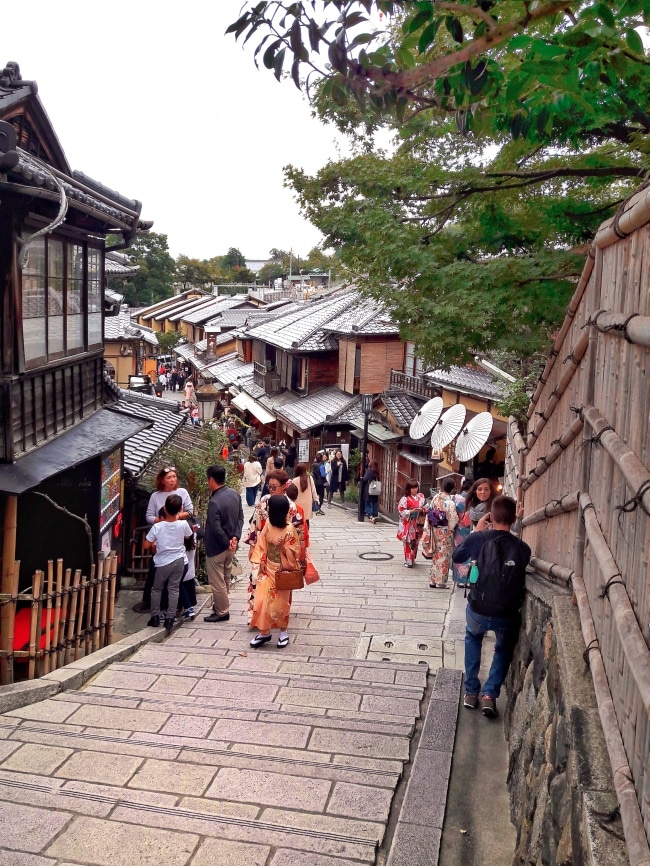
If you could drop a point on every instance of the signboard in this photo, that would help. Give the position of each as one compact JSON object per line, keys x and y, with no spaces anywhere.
{"x":303,"y":451}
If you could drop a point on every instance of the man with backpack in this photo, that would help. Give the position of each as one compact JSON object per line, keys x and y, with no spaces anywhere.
{"x":497,"y":589}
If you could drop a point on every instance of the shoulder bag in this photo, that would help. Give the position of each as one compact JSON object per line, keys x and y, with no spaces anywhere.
{"x":374,"y":488}
{"x":286,"y":577}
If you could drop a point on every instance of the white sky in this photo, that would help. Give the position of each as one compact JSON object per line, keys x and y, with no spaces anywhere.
{"x":151,"y":99}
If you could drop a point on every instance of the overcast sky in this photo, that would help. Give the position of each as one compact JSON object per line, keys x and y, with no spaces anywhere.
{"x":151,"y":99}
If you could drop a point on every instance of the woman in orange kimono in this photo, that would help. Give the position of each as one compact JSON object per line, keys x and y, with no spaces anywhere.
{"x":278,"y":546}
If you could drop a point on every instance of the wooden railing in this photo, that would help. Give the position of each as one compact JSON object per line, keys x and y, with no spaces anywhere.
{"x":68,"y":617}
{"x":414,"y":385}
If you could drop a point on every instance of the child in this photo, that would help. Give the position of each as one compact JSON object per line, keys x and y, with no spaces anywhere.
{"x":188,"y":587}
{"x":168,"y":539}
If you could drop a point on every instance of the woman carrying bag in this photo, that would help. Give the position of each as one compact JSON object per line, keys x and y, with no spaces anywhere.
{"x":277,"y":549}
{"x":412,"y":516}
{"x":307,"y":493}
{"x":371,"y":486}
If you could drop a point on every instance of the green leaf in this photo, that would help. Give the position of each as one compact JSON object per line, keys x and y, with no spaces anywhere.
{"x":278,"y":62}
{"x":605,"y":14}
{"x":634,"y":41}
{"x":454,"y":27}
{"x":428,"y":36}
{"x":419,"y":19}
{"x":268,"y":58}
{"x":405,"y":58}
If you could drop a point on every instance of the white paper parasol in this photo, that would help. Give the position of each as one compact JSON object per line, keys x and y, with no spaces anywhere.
{"x":426,"y":418}
{"x":474,"y":436}
{"x":448,"y":426}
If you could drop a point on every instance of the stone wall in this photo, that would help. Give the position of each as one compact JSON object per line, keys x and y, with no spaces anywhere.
{"x":564,"y":806}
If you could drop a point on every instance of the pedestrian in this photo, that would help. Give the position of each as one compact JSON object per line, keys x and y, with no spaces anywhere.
{"x":495,"y":599}
{"x":167,"y":538}
{"x":479,"y":499}
{"x":463,"y":529}
{"x":338,"y":478}
{"x":277,"y":480}
{"x":223,"y":528}
{"x":371,"y":499}
{"x":307,"y":495}
{"x":319,"y":476}
{"x":166,"y":482}
{"x":438,"y":536}
{"x":187,"y":590}
{"x":173,"y":379}
{"x":190,"y":396}
{"x":278,"y":548}
{"x":251,"y":478}
{"x":290,"y":459}
{"x":411,"y":513}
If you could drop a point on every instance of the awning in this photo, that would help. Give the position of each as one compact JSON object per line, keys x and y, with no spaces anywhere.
{"x":102,"y":432}
{"x":244,"y":402}
{"x":378,"y":433}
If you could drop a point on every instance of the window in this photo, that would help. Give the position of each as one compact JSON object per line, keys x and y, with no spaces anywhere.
{"x":62,"y":299}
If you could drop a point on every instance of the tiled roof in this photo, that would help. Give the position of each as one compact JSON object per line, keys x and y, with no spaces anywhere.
{"x":175,"y":312}
{"x":204,"y":312}
{"x":229,"y":370}
{"x":119,"y":264}
{"x":401,"y":406}
{"x":378,"y":433}
{"x":366,"y":317}
{"x":468,"y":380}
{"x":121,"y":327}
{"x":229,"y":319}
{"x":302,"y":326}
{"x":312,"y":411}
{"x":113,"y":297}
{"x":251,"y":388}
{"x":140,"y":449}
{"x":153,"y":309}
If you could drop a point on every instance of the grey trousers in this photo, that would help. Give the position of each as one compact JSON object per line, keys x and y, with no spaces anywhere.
{"x":171,"y":575}
{"x":219,"y":570}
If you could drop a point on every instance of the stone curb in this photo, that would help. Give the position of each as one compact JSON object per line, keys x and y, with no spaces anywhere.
{"x":419,"y":826}
{"x":75,"y":674}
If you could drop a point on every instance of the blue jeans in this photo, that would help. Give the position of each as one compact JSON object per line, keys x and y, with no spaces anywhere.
{"x":506,"y":632}
{"x":372,"y":509}
{"x":251,"y":493}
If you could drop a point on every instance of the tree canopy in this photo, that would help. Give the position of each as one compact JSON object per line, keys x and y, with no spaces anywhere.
{"x":154,"y":280}
{"x":520,"y":126}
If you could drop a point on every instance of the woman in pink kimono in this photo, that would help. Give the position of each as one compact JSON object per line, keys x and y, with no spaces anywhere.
{"x":411,"y":514}
{"x":438,"y":537}
{"x":278,"y":547}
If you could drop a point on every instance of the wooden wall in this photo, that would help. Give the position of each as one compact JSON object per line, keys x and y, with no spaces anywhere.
{"x":378,"y":357}
{"x":583,"y":461}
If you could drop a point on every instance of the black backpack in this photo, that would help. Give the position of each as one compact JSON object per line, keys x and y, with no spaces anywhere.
{"x":500,"y":588}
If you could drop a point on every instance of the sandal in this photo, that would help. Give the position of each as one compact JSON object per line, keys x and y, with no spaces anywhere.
{"x":283,"y":641}
{"x":260,"y":639}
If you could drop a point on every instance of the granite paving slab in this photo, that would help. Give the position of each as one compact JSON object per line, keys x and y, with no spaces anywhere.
{"x":94,"y":767}
{"x":26,"y":828}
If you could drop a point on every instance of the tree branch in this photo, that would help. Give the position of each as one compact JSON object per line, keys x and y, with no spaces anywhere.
{"x":468,"y":12}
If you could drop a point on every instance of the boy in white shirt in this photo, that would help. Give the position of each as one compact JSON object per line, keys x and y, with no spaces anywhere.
{"x":168,"y":540}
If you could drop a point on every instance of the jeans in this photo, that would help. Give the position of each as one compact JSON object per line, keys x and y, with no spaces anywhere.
{"x":251,"y":493}
{"x":506,"y":632}
{"x":372,"y":509}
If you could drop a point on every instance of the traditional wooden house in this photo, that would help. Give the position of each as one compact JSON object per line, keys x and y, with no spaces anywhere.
{"x":61,"y":440}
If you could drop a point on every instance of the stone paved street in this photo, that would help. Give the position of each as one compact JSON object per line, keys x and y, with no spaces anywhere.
{"x":200,"y":750}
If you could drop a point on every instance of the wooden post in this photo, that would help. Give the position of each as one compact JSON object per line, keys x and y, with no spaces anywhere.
{"x":111,"y":601}
{"x":80,"y":618}
{"x":48,"y":617}
{"x":89,"y":612}
{"x":57,"y":616}
{"x":104,"y":602}
{"x":35,"y":623}
{"x":72,"y":616}
{"x":99,"y":574}
{"x":63,"y":623}
{"x":8,"y":559}
{"x":9,"y":623}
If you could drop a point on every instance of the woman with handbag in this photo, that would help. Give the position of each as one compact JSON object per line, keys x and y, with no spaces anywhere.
{"x":307,"y":493}
{"x":371,"y":487}
{"x":463,"y":529}
{"x":412,"y":516}
{"x":278,"y":554}
{"x":339,"y":477}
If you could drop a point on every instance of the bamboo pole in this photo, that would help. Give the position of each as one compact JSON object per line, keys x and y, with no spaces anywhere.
{"x":569,"y":502}
{"x":74,"y":598}
{"x":636,"y":475}
{"x":104,"y":603}
{"x":99,"y":574}
{"x":35,"y":623}
{"x":110,"y":615}
{"x":6,"y":583}
{"x":9,"y":617}
{"x":57,"y":615}
{"x":560,"y":445}
{"x":637,"y":653}
{"x":635,"y":328}
{"x":635,"y":213}
{"x":90,"y":607}
{"x":48,"y":617}
{"x":572,"y":309}
{"x":552,"y":569}
{"x":63,"y":623}
{"x":79,"y":634}
{"x":633,"y":829}
{"x":575,"y":357}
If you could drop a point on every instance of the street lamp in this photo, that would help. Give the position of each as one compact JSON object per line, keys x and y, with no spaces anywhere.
{"x":366,"y":407}
{"x":207,"y":396}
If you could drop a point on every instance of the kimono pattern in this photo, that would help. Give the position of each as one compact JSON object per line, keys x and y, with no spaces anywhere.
{"x":271,"y":606}
{"x":463,"y":529}
{"x":256,"y":524}
{"x":411,"y":526}
{"x":438,"y":541}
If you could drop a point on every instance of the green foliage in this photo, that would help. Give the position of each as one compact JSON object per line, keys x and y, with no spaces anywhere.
{"x":352,"y":493}
{"x":199,"y":273}
{"x":167,"y":340}
{"x":354,"y":461}
{"x":515,"y":401}
{"x":154,"y":280}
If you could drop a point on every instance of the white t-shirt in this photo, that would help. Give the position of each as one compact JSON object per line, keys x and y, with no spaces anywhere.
{"x":170,"y":540}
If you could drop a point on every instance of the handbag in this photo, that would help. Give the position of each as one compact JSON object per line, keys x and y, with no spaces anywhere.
{"x":315,"y":505}
{"x":288,"y":578}
{"x":374,"y":488}
{"x":311,"y":575}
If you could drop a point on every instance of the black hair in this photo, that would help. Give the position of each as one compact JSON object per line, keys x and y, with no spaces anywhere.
{"x":448,"y":485}
{"x":217,"y":473}
{"x":173,"y":504}
{"x":278,"y":509}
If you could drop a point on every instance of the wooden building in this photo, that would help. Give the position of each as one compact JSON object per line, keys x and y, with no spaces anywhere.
{"x":60,"y":441}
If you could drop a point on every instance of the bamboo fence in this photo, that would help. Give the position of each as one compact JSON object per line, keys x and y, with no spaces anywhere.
{"x":70,"y":616}
{"x":582,"y":467}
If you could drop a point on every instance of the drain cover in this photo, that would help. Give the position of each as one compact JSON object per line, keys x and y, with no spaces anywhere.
{"x":376,"y":556}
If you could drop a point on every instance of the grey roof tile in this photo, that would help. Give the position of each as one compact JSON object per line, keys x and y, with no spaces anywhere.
{"x":468,"y":380}
{"x":140,"y":449}
{"x":401,"y":406}
{"x":312,"y":410}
